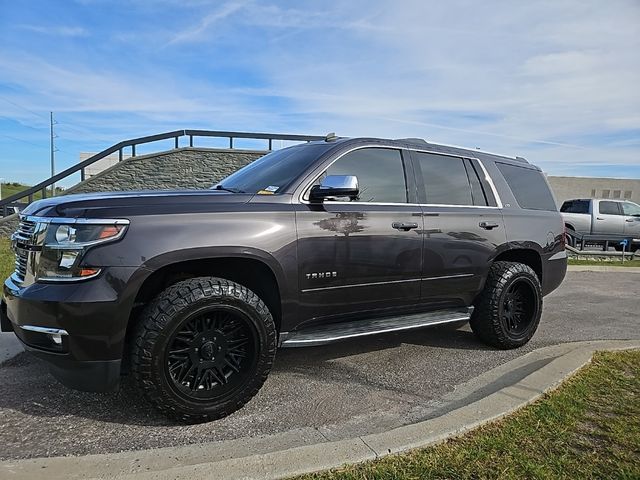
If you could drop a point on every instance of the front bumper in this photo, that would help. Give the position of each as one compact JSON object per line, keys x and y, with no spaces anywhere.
{"x":94,"y":314}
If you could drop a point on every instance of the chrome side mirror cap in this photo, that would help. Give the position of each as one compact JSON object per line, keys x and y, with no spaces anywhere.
{"x":335,"y":186}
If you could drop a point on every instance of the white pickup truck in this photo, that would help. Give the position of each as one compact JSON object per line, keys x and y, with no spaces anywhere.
{"x":615,"y":218}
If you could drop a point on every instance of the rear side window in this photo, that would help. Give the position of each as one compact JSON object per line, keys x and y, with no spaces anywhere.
{"x":610,"y":208}
{"x":528,"y":186}
{"x":575,"y":206}
{"x":449,"y":180}
{"x":380,"y":173}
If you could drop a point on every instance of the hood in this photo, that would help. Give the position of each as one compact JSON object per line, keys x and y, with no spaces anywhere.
{"x":147,"y":202}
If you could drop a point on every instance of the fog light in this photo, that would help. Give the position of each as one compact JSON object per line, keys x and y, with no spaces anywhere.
{"x":56,"y":338}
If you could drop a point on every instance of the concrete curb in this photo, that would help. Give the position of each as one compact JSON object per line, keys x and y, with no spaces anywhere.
{"x":304,"y":451}
{"x":602,"y":268}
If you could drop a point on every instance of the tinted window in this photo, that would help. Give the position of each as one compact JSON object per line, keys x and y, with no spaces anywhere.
{"x":610,"y":208}
{"x":477,"y":192}
{"x":273,"y":172}
{"x":445,"y":179}
{"x":528,"y":186}
{"x":575,"y":206}
{"x":380,"y":174}
{"x":631,"y":208}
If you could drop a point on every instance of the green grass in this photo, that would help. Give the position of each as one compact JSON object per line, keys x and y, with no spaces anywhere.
{"x":589,"y":428}
{"x":6,"y":259}
{"x":9,"y":189}
{"x":606,"y":263}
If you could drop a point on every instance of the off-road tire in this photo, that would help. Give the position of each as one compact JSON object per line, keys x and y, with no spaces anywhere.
{"x":488,"y":320}
{"x":167,"y":314}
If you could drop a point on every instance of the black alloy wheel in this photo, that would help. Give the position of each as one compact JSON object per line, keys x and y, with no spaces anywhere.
{"x":507,"y":312}
{"x":203,"y":348}
{"x":211,"y":353}
{"x":519,"y":307}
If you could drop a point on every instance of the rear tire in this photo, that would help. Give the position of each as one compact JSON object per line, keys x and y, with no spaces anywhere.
{"x":508,"y":311}
{"x":203,"y":348}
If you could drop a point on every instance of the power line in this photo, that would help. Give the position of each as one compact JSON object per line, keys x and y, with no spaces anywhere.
{"x":24,"y":108}
{"x":22,"y":140}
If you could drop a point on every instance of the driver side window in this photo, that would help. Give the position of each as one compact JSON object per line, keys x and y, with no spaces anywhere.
{"x":380,"y":173}
{"x":631,"y":209}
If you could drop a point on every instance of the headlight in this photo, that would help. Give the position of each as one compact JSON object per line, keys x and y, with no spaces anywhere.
{"x":65,"y":245}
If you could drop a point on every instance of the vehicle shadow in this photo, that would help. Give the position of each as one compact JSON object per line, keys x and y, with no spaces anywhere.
{"x":28,"y":388}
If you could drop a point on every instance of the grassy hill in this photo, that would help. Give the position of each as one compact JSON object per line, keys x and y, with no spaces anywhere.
{"x":12,"y":188}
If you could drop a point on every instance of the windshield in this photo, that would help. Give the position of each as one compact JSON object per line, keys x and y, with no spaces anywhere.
{"x":273,"y":172}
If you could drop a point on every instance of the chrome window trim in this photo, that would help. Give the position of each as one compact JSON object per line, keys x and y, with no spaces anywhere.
{"x":48,"y":330}
{"x":489,"y":180}
{"x":487,"y":177}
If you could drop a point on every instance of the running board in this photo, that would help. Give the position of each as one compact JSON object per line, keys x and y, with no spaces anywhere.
{"x":340,"y":331}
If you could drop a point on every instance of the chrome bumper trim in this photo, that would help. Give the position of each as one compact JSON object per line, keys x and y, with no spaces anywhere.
{"x":49,"y":330}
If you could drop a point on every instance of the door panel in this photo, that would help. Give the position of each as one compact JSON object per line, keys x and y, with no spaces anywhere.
{"x":458,"y":252}
{"x":462,"y":228}
{"x":631,"y":219}
{"x":609,"y":219}
{"x":352,"y":260}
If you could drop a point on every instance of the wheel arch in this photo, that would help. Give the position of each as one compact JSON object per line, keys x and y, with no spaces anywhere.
{"x":527,"y":256}
{"x":256,"y":270}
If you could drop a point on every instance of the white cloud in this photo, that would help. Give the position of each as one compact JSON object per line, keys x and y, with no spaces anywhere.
{"x":556,"y":82}
{"x":196,"y":32}
{"x":56,"y":30}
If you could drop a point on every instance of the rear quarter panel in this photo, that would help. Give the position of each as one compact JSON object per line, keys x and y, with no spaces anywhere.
{"x":538,"y":230}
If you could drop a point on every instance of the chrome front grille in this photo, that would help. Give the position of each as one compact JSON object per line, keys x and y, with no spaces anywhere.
{"x":25,"y":231}
{"x":23,"y":239}
{"x":22,"y":258}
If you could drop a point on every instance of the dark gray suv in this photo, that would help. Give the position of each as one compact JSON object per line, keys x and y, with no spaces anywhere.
{"x":191,"y":292}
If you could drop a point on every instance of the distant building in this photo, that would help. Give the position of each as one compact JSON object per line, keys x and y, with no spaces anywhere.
{"x":100,"y":165}
{"x":565,"y":188}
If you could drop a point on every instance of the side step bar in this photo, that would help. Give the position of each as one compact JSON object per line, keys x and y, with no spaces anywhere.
{"x":334,"y":332}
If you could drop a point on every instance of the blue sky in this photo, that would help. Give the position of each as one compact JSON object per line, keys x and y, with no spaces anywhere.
{"x":557,"y":82}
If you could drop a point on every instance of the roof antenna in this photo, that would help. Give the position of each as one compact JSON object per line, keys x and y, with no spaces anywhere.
{"x":331,"y":137}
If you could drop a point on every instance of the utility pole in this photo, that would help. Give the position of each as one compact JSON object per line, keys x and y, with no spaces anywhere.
{"x":53,"y":158}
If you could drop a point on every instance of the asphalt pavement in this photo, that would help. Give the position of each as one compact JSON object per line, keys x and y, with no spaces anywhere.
{"x":356,"y":387}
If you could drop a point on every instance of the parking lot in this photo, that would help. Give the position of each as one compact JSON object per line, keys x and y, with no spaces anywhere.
{"x":341,"y":390}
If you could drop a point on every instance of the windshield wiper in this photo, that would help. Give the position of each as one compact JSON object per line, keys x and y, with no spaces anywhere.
{"x":229,"y":189}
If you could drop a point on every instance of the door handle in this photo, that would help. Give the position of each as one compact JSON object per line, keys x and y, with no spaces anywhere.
{"x":629,"y":220}
{"x":599,"y":218}
{"x":488,"y":225}
{"x":404,"y":226}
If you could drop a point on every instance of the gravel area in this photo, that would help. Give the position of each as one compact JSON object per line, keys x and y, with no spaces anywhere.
{"x":344,"y":389}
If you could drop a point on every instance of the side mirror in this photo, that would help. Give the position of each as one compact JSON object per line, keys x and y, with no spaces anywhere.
{"x":335,"y":186}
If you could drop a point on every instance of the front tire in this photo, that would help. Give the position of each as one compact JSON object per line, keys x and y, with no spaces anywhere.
{"x":508,"y":311}
{"x":203,"y":348}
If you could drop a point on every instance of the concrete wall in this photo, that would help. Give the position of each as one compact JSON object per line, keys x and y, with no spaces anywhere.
{"x":566,"y":188}
{"x":189,"y":168}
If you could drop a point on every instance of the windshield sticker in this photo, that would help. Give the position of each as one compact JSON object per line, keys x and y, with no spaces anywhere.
{"x":272,"y":188}
{"x":264,"y":192}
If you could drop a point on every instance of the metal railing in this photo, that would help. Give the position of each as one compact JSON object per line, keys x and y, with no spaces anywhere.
{"x":119,"y":147}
